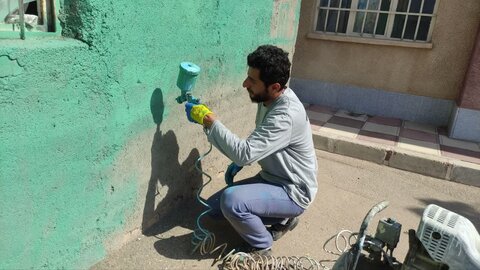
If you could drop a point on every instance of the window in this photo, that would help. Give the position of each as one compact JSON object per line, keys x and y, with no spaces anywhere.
{"x":405,"y":20}
{"x":35,"y":15}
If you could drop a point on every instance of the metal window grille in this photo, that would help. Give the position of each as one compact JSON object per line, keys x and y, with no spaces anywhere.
{"x":27,"y":15}
{"x":408,"y":20}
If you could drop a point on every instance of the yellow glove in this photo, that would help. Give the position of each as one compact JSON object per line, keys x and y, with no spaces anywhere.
{"x":196,"y":112}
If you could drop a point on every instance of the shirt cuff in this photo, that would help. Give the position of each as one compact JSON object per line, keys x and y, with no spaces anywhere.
{"x":208,"y":131}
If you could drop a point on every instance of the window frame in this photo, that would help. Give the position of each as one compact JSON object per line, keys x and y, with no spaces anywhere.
{"x":385,"y":39}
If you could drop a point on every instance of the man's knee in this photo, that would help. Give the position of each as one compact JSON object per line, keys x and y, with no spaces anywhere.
{"x":231,"y":203}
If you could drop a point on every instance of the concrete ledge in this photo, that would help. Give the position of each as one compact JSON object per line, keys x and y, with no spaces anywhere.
{"x":367,"y":152}
{"x":419,"y":163}
{"x":465,"y":173}
{"x":435,"y":166}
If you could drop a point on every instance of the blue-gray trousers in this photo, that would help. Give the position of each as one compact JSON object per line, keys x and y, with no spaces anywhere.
{"x":251,"y":204}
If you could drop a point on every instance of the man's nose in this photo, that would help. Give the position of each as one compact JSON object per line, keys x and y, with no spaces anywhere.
{"x":245,"y":83}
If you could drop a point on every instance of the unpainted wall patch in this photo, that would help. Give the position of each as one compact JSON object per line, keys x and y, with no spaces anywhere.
{"x":283,"y":19}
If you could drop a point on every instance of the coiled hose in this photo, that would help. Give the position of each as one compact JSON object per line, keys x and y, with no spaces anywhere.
{"x":203,"y":241}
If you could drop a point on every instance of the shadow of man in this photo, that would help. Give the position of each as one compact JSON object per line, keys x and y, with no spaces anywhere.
{"x":170,"y":199}
{"x":175,"y":185}
{"x":463,"y":209}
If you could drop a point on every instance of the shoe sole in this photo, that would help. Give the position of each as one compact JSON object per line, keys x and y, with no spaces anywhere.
{"x":292,"y":226}
{"x":295,"y":223}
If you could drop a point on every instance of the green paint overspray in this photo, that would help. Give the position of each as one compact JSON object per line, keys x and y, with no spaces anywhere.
{"x":71,"y":104}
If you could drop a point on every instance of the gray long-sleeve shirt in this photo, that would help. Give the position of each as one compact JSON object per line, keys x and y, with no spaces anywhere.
{"x":281,"y":143}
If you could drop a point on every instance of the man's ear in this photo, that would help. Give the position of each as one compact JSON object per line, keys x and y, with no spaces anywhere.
{"x":275,"y":87}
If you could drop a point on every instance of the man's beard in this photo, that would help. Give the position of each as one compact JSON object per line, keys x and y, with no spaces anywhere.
{"x":262,"y":97}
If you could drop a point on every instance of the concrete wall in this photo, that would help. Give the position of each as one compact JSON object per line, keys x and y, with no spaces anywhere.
{"x":437,"y":72}
{"x":94,"y":146}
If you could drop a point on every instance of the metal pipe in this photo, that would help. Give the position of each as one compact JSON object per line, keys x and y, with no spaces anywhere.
{"x":42,"y":12}
{"x":21,"y":14}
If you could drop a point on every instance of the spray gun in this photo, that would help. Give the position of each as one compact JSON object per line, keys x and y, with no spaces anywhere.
{"x":186,"y":82}
{"x":202,"y":239}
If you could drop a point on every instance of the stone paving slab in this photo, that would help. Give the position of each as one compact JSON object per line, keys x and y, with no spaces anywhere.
{"x":396,"y":143}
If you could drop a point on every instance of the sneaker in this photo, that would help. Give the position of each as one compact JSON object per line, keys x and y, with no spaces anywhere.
{"x":253,"y":251}
{"x":278,"y":230}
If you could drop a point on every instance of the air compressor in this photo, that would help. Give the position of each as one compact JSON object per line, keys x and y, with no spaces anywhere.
{"x":444,"y":240}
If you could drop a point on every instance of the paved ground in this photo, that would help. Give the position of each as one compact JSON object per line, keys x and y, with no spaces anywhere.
{"x":396,"y":143}
{"x":348,"y":188}
{"x":393,"y":132}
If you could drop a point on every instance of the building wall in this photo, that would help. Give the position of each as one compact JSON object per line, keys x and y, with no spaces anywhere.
{"x":436,"y":73}
{"x":94,"y":147}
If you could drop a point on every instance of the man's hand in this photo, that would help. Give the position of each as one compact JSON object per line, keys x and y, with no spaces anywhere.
{"x":232,"y":170}
{"x":196,"y":113}
{"x":208,"y":120}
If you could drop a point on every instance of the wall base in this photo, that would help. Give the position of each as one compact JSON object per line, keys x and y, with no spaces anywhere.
{"x":464,"y":124}
{"x":418,"y":109}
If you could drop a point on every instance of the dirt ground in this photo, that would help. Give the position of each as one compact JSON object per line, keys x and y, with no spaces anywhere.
{"x":348,"y":188}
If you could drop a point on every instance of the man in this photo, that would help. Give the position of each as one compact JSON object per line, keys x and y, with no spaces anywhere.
{"x":281,"y":143}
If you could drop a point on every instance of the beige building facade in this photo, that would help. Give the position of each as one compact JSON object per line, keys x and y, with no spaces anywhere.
{"x":405,"y":59}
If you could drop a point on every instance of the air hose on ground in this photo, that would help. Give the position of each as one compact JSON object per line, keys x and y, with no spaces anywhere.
{"x":203,"y":241}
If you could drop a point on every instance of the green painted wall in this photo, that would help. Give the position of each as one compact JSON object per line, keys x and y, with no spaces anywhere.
{"x":78,"y":113}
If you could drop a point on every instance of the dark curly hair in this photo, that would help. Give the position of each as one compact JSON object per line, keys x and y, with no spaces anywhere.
{"x":273,"y":64}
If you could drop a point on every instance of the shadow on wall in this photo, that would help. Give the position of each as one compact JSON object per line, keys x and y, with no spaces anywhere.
{"x":173,"y":183}
{"x":460,"y":208}
{"x":177,"y":184}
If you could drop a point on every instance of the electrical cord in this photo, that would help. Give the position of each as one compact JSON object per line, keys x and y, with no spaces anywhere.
{"x":347,"y":242}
